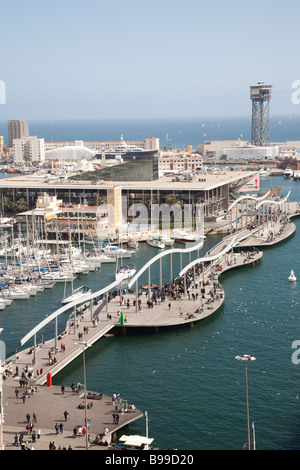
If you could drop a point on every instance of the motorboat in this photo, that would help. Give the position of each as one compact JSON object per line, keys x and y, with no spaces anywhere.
{"x":288,"y":173}
{"x":264,"y":172}
{"x":77,"y":294}
{"x":185,"y":237}
{"x":135,"y":442}
{"x":113,"y":250}
{"x":133,"y":244}
{"x":156,"y":243}
{"x":167,"y":240}
{"x":292,"y":276}
{"x":129,"y":270}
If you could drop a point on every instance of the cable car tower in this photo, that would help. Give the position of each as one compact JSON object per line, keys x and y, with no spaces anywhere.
{"x":260,"y":95}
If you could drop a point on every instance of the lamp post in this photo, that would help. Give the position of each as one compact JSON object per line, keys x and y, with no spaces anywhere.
{"x":246,"y":358}
{"x":84,"y":346}
{"x":1,"y":397}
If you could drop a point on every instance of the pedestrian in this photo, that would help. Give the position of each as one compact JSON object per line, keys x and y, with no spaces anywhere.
{"x":38,"y":433}
{"x":169,"y":306}
{"x":34,"y":417}
{"x":66,"y":414}
{"x":17,"y":393}
{"x":28,"y":417}
{"x":63,"y":389}
{"x":61,"y":428}
{"x":33,"y":436}
{"x":16,"y":440}
{"x":56,"y":428}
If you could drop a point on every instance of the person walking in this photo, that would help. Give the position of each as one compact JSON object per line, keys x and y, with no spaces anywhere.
{"x":66,"y":414}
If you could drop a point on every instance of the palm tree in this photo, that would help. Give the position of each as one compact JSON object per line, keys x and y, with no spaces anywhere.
{"x":21,"y":205}
{"x":6,"y":205}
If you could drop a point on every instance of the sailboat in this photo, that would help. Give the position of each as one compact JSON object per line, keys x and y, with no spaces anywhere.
{"x":156,"y":243}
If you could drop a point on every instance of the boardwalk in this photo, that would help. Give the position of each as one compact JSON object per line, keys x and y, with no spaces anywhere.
{"x":180,"y":308}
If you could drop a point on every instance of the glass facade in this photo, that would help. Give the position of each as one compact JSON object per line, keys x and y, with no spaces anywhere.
{"x":137,"y":169}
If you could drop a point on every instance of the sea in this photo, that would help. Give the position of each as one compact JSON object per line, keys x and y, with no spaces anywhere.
{"x":188,"y":379}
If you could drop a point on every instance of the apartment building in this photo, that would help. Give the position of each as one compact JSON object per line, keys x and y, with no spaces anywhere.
{"x":29,"y":150}
{"x":17,"y":129}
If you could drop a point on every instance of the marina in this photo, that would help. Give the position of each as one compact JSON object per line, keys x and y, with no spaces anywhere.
{"x":158,"y":316}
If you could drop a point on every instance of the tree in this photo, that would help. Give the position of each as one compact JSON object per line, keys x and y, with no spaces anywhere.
{"x":21,"y":205}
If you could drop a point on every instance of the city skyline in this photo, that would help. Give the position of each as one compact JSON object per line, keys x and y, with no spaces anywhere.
{"x":99,"y":60}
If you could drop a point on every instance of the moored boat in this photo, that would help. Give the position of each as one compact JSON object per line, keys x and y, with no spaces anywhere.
{"x":156,"y":243}
{"x":77,"y":294}
{"x":288,"y":173}
{"x":129,"y":270}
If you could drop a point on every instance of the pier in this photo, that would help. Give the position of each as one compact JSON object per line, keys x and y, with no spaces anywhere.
{"x":195,"y":294}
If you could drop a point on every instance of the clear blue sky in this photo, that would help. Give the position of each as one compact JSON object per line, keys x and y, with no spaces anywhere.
{"x":146,"y":59}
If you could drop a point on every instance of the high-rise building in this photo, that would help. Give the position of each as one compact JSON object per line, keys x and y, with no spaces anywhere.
{"x":28,"y":150}
{"x":17,"y":129}
{"x":1,"y":144}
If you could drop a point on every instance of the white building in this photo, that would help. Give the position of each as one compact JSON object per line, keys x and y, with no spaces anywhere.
{"x":77,"y":151}
{"x":29,"y":150}
{"x":247,"y":152}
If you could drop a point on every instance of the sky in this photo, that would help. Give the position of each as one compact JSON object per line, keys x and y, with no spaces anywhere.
{"x":130,"y":59}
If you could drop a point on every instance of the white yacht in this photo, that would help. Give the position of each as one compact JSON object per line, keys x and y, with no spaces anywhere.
{"x":292,"y":276}
{"x":288,"y":173}
{"x":167,"y":240}
{"x":123,"y":150}
{"x":78,"y":294}
{"x":129,"y":270}
{"x":113,"y":250}
{"x":185,"y":237}
{"x":264,"y":172}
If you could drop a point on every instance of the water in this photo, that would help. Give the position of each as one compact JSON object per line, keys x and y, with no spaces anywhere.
{"x":188,"y":379}
{"x":175,"y":133}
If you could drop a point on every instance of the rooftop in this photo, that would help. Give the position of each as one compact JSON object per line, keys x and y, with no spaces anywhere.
{"x":205,"y":181}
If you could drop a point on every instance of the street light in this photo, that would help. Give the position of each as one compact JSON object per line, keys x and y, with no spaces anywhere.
{"x":246,"y":358}
{"x":85,"y":345}
{"x":2,"y":359}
